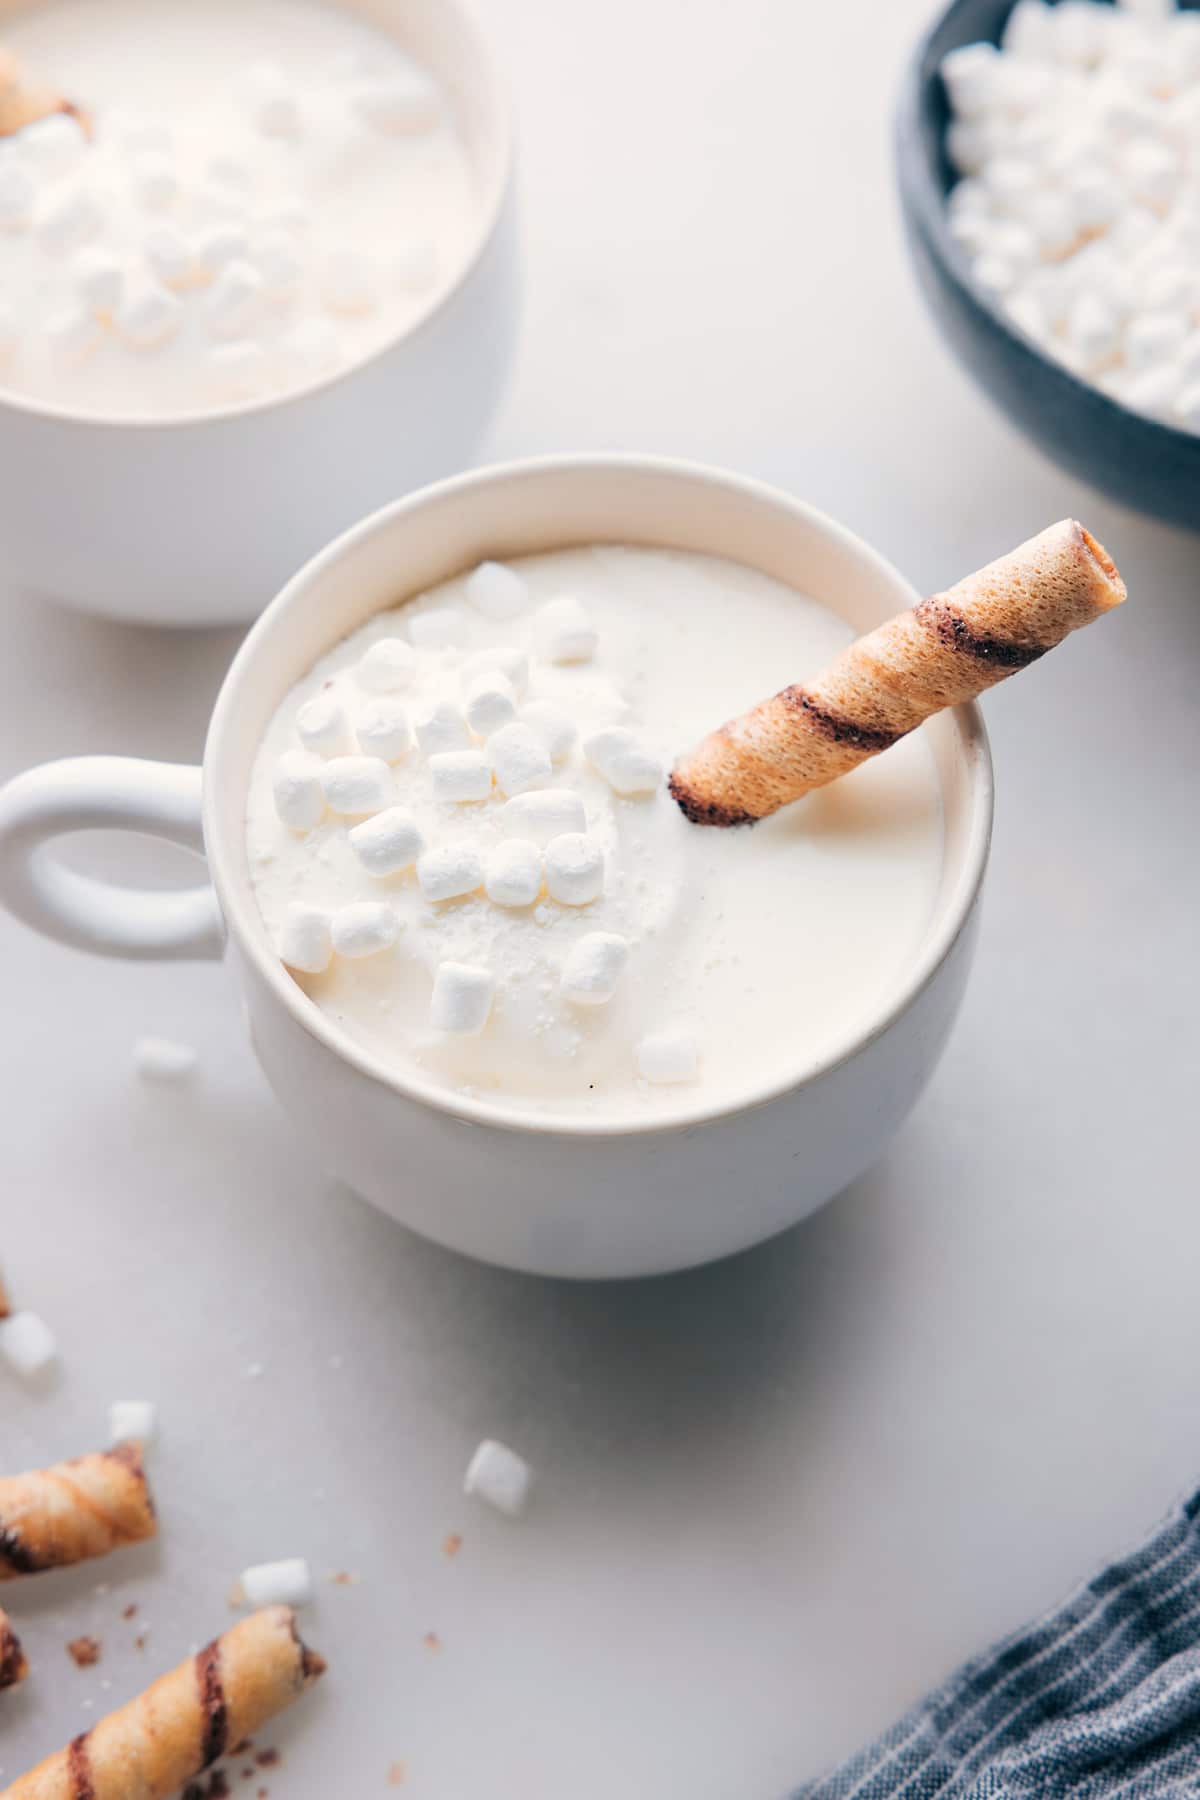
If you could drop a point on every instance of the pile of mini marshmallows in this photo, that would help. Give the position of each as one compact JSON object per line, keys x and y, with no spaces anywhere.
{"x":1078,"y":142}
{"x":497,"y":748}
{"x":134,"y":240}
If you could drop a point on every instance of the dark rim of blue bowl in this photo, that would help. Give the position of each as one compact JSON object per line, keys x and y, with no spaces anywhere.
{"x":924,"y":194}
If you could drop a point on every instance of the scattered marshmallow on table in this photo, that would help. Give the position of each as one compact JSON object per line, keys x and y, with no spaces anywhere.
{"x":553,"y":727}
{"x":132,"y":1421}
{"x":490,"y":703}
{"x":27,"y":1343}
{"x":382,"y":729}
{"x":519,"y":757}
{"x":306,"y":941}
{"x":593,"y":969}
{"x":357,"y":784}
{"x":387,"y":667}
{"x":299,"y":790}
{"x":449,"y":871}
{"x":363,"y":928}
{"x":285,"y":1583}
{"x":162,"y":1060}
{"x":460,"y":775}
{"x":322,"y":725}
{"x":389,"y":842}
{"x":497,"y":591}
{"x":498,"y":1476}
{"x":544,"y":814}
{"x":514,"y":873}
{"x":565,"y":633}
{"x":461,"y":998}
{"x":668,"y":1056}
{"x":625,"y":763}
{"x":441,"y":729}
{"x":574,"y":869}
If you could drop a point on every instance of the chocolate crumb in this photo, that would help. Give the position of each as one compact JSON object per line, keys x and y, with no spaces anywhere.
{"x":130,"y":1611}
{"x":343,"y":1578}
{"x":432,"y":1641}
{"x":267,"y":1759}
{"x":262,"y":1793}
{"x":452,"y":1545}
{"x":84,"y":1651}
{"x":218,"y":1785}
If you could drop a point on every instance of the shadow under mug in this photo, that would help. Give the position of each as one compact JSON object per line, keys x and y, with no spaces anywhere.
{"x":491,"y":1179}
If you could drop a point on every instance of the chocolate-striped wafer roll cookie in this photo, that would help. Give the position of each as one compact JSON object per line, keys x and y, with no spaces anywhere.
{"x":947,"y":649}
{"x":186,"y":1720}
{"x":24,"y":100}
{"x":87,"y":1507}
{"x":13,"y":1667}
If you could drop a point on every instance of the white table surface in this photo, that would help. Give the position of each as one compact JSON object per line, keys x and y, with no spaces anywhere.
{"x":781,"y":1496}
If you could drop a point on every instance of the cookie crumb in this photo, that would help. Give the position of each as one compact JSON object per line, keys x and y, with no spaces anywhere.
{"x":84,"y":1651}
{"x":396,"y":1775}
{"x":432,"y":1641}
{"x":453,"y":1544}
{"x":130,"y":1611}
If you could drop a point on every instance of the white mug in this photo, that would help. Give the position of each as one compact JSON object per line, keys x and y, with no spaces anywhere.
{"x":197,"y":519}
{"x":485,"y":1177}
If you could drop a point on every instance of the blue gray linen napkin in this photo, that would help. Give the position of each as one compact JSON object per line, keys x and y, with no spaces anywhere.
{"x":1099,"y":1698}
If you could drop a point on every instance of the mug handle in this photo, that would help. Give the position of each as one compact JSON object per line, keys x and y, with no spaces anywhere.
{"x":106,"y":793}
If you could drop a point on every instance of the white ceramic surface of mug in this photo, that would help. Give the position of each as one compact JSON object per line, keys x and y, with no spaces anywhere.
{"x":483,"y":1177}
{"x":198,"y":519}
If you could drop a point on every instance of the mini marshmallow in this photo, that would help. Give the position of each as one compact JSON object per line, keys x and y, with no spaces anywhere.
{"x":594,"y":967}
{"x":389,"y":842}
{"x":499,"y":1477}
{"x":972,"y":78}
{"x":553,"y":727}
{"x":408,"y":102}
{"x":497,"y":591}
{"x":297,"y":790}
{"x":625,"y":763}
{"x":17,"y":196}
{"x":669,"y":1056}
{"x":383,"y":729}
{"x":54,"y":145}
{"x":348,"y":284}
{"x":169,"y":255}
{"x":460,"y":775}
{"x":1153,"y":338}
{"x":574,"y":869}
{"x":148,"y":317}
{"x":565,"y":633}
{"x":1094,"y":328}
{"x":519,"y":757}
{"x":461,"y":998}
{"x":99,"y":281}
{"x":238,"y":371}
{"x":514,"y":873}
{"x":155,"y":181}
{"x":27,"y":1343}
{"x":219,"y":246}
{"x":271,"y":104}
{"x":323,"y":727}
{"x":234,"y":300}
{"x":1187,"y":406}
{"x":132,"y":1422}
{"x":306,"y":941}
{"x":161,"y":1059}
{"x":278,"y":262}
{"x":449,"y":871}
{"x":442,"y":728}
{"x":357,"y":784}
{"x":544,"y":814}
{"x":490,"y":703}
{"x":386,"y":667}
{"x":70,"y":220}
{"x":228,"y":170}
{"x":74,"y":334}
{"x":363,"y":928}
{"x":286,"y":1583}
{"x":436,"y":629}
{"x":503,"y":659}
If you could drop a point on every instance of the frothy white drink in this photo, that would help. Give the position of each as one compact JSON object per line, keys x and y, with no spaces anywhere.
{"x":272,"y":190}
{"x":462,"y":845}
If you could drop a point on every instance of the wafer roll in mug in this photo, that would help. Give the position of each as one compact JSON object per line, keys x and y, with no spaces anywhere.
{"x":948,"y":649}
{"x":86,"y":1507}
{"x":173,"y":1731}
{"x":24,"y":100}
{"x":13,"y":1667}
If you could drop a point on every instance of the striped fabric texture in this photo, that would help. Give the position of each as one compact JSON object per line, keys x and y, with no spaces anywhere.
{"x":1100,"y":1698}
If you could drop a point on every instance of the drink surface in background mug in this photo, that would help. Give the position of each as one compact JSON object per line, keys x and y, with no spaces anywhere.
{"x":461,"y":842}
{"x":272,"y":191}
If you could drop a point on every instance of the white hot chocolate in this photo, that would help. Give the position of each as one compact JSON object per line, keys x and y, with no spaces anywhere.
{"x":272,"y":190}
{"x":462,"y":845}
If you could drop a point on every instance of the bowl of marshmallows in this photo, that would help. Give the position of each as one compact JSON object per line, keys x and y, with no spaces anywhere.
{"x":1049,"y":162}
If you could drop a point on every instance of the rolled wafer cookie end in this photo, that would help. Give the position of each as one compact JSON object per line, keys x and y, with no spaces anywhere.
{"x":51,"y":1518}
{"x":946,"y":650}
{"x":25,"y":100}
{"x":13,"y":1666}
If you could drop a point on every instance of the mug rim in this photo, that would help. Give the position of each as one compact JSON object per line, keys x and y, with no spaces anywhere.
{"x":235,"y":894}
{"x":497,"y":187}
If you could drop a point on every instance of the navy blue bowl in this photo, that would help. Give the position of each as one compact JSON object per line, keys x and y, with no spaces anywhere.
{"x":1149,"y":466}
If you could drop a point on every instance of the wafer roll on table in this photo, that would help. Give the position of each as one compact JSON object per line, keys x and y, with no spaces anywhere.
{"x":946,"y":650}
{"x":24,"y":99}
{"x":13,"y":1667}
{"x":86,"y":1507}
{"x":179,"y":1726}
